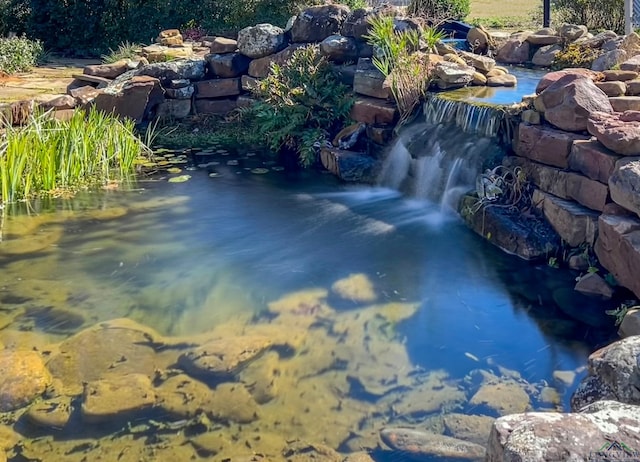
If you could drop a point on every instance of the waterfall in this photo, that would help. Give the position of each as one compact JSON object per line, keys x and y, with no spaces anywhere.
{"x":470,"y":117}
{"x":437,"y":162}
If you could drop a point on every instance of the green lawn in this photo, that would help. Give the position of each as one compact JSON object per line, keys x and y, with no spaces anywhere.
{"x":505,"y":14}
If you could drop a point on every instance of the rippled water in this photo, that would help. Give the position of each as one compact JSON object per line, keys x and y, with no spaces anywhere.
{"x":211,"y":255}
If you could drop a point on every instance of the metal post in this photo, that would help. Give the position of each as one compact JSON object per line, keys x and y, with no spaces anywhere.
{"x":546,"y":12}
{"x":628,"y":16}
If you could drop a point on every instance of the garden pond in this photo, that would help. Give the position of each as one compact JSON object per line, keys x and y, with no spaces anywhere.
{"x":271,"y":309}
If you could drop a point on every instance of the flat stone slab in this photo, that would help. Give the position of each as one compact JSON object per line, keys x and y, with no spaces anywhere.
{"x":574,"y":223}
{"x":422,"y":445}
{"x":222,"y":357}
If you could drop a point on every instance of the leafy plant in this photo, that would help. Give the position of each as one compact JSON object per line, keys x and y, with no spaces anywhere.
{"x":126,"y":50}
{"x":621,"y":311}
{"x":595,"y":14}
{"x":301,"y":104}
{"x":52,"y":156}
{"x":575,"y":55}
{"x":439,"y":10}
{"x":19,"y":54}
{"x":553,"y":263}
{"x":407,"y":71}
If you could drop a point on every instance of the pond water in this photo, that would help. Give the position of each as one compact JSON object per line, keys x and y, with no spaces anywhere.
{"x":527,"y":82}
{"x":371,"y":309}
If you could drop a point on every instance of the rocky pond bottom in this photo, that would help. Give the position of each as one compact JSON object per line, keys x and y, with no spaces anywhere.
{"x":244,"y":317}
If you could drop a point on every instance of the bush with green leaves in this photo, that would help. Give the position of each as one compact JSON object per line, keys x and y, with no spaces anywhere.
{"x":19,"y":54}
{"x":302,"y":104}
{"x":595,"y":14}
{"x":439,"y":10}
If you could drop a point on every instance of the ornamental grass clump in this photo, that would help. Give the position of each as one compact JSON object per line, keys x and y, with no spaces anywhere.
{"x":48,"y":156}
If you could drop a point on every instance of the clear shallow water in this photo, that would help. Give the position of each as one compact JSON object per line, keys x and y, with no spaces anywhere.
{"x":527,"y":81}
{"x":211,"y":253}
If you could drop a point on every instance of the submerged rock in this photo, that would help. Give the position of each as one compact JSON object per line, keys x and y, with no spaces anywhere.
{"x":23,"y":377}
{"x":424,"y":445}
{"x":51,"y":414}
{"x":119,"y":347}
{"x":355,"y":287}
{"x":222,"y":357}
{"x":503,"y":397}
{"x":300,"y":451}
{"x":117,"y":398}
{"x":473,"y":428}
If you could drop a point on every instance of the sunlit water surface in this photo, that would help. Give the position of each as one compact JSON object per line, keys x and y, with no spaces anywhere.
{"x":212,"y":253}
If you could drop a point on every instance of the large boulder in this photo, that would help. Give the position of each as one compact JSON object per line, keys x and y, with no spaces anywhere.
{"x":617,"y":369}
{"x":618,"y":249}
{"x":608,"y":60}
{"x":569,"y":102}
{"x":618,"y":132}
{"x":625,"y":184}
{"x":548,"y":436}
{"x":479,"y":40}
{"x":514,"y":51}
{"x":545,"y":56}
{"x":572,"y":32}
{"x":454,"y":73}
{"x":356,"y":24}
{"x":553,"y":77}
{"x":136,"y":98}
{"x":592,"y":159}
{"x":339,"y":48}
{"x":261,"y":40}
{"x":316,"y":23}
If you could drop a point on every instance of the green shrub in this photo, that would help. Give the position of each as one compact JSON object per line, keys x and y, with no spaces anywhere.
{"x":595,"y":14}
{"x":52,"y":156}
{"x":439,"y":10}
{"x":19,"y":54}
{"x":574,"y":55}
{"x":302,"y":104}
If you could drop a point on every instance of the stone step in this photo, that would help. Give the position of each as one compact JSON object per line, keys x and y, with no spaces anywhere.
{"x":564,"y":184}
{"x":592,"y":159}
{"x":217,"y":88}
{"x":574,"y":223}
{"x":350,"y":165}
{"x":374,"y":111}
{"x":545,"y":144}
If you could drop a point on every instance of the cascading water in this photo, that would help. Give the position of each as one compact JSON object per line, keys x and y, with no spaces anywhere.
{"x":437,"y":162}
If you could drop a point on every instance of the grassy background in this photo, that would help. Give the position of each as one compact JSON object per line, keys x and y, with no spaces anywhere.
{"x":506,"y":14}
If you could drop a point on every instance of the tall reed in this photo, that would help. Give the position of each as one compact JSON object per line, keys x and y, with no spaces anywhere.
{"x":50,"y":156}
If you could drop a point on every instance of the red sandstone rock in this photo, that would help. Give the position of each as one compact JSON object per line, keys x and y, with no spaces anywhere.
{"x":618,"y":249}
{"x":545,"y":144}
{"x":569,"y":101}
{"x":592,"y":159}
{"x":618,"y":132}
{"x":553,"y":77}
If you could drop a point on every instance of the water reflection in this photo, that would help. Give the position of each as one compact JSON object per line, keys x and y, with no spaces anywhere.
{"x":369,"y":309}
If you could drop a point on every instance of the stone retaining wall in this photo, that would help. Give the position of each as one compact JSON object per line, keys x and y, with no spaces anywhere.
{"x":583,"y":155}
